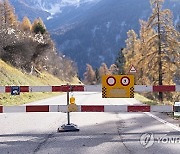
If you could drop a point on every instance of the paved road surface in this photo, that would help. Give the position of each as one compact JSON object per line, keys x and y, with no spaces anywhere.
{"x":100,"y":133}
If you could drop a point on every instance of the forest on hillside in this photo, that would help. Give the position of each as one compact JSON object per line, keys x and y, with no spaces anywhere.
{"x":154,"y":52}
{"x":28,"y":46}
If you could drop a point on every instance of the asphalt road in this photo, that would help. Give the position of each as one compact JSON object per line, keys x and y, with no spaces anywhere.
{"x":100,"y":133}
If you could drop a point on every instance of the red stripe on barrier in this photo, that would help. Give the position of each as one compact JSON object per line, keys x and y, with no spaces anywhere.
{"x":56,"y":88}
{"x":164,"y":88}
{"x":92,"y":108}
{"x":138,"y":108}
{"x":42,"y":108}
{"x":78,"y":88}
{"x":65,"y":88}
{"x":8,"y":89}
{"x":24,"y":88}
{"x":1,"y":109}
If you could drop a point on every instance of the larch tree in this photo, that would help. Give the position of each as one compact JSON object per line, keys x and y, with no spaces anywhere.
{"x":144,"y":52}
{"x":156,"y":53}
{"x":89,"y":75}
{"x":131,"y":51}
{"x":8,"y":17}
{"x":26,"y":24}
{"x":1,"y":15}
{"x":161,"y":56}
{"x":103,"y":70}
{"x":114,"y":69}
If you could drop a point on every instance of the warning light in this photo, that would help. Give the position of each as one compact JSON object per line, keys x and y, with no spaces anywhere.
{"x":111,"y":81}
{"x":72,"y":100}
{"x":72,"y":107}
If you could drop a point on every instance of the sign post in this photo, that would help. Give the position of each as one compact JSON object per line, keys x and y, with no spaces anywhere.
{"x":118,"y":86}
{"x":177,"y":109}
{"x":69,"y":127}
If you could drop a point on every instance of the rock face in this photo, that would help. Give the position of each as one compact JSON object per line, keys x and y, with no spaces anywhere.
{"x":90,"y":31}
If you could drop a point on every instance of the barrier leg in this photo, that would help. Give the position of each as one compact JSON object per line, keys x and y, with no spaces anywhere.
{"x":69,"y":127}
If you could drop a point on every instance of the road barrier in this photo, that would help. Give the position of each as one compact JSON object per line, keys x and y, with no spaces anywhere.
{"x":89,"y":108}
{"x":87,"y":88}
{"x":16,"y":90}
{"x":62,"y":88}
{"x":139,"y":88}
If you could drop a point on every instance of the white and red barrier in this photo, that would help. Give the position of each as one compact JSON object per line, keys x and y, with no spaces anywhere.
{"x":139,"y":88}
{"x":62,"y":88}
{"x":160,"y":88}
{"x":89,"y":88}
{"x":16,"y":90}
{"x":88,"y":108}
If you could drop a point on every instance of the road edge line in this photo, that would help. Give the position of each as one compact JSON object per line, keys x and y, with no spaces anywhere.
{"x":163,"y":121}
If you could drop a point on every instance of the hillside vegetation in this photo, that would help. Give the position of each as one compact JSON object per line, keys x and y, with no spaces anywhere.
{"x":29,"y":47}
{"x":28,"y":57}
{"x":154,"y":51}
{"x":12,"y":76}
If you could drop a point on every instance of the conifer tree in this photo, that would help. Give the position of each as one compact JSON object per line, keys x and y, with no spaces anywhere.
{"x":103,"y":70}
{"x":163,"y":44}
{"x":131,"y":52}
{"x":113,"y":69}
{"x":89,"y":75}
{"x":1,"y":15}
{"x":26,"y":24}
{"x":38,"y":26}
{"x":8,"y":18}
{"x":120,"y":62}
{"x":97,"y":76}
{"x":155,"y":54}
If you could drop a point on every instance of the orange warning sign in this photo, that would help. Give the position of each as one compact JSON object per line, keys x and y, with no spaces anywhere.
{"x":118,"y":86}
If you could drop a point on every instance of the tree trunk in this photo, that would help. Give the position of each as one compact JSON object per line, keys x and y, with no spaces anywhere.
{"x":159,"y":55}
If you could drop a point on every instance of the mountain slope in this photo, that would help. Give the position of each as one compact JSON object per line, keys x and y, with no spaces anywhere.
{"x":102,"y":32}
{"x":93,"y":29}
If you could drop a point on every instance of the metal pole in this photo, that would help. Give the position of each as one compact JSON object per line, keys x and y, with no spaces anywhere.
{"x":68,"y":127}
{"x":68,"y":114}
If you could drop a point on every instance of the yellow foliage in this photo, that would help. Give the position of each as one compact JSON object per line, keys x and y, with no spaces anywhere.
{"x":26,"y":24}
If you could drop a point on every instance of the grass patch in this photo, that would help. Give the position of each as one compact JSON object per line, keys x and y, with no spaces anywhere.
{"x":12,"y":76}
{"x":144,"y":100}
{"x":147,"y":101}
{"x":23,"y":98}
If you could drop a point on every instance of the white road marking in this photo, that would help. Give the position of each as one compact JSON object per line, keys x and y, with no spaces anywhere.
{"x":163,"y":121}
